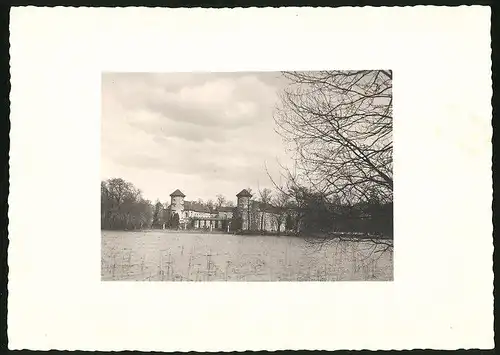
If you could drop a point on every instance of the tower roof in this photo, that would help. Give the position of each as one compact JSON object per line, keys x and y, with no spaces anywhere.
{"x":244,"y":193}
{"x":177,"y":193}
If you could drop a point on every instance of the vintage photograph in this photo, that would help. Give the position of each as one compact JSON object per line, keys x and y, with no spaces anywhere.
{"x":246,"y":164}
{"x":247,"y":176}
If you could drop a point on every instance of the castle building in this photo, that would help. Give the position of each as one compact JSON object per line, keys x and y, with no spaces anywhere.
{"x":249,"y":214}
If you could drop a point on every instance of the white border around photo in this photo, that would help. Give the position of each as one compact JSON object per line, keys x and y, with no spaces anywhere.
{"x":441,"y":297}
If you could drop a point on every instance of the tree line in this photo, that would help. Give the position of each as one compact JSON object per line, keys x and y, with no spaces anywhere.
{"x":305,"y":212}
{"x":123,"y":206}
{"x":300,"y":210}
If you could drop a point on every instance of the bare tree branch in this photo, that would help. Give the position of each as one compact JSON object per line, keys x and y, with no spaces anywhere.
{"x":339,"y":124}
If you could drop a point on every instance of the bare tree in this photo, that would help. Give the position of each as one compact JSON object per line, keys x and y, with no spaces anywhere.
{"x":123,"y":207}
{"x":220,"y":201}
{"x":296,"y":191}
{"x":265,"y":199}
{"x":280,"y":203}
{"x":210,"y":204}
{"x":157,"y":214}
{"x":265,"y":195}
{"x":339,"y":124}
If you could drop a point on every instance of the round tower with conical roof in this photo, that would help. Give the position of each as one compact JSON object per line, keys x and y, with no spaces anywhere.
{"x":243,"y":207}
{"x":177,"y":202}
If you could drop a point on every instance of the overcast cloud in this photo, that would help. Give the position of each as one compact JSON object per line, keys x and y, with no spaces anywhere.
{"x":201,"y":133}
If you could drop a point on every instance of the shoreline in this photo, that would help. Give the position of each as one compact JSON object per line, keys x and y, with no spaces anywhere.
{"x":348,"y":236}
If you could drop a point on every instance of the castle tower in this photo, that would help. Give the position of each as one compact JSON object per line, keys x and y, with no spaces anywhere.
{"x":243,"y":206}
{"x":177,"y":203}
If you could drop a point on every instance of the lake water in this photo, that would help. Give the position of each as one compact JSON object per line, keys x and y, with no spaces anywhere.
{"x":182,"y":256}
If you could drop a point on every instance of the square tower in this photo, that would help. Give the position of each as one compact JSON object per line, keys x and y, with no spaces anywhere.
{"x":177,"y":202}
{"x":243,"y":208}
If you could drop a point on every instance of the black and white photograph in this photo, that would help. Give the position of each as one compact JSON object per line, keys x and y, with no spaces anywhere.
{"x":250,"y":179}
{"x":247,"y":176}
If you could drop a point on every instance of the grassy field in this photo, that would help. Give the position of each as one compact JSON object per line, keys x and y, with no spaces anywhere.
{"x":172,"y":256}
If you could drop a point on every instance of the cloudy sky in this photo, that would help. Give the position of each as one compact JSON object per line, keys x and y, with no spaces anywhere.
{"x":203,"y":133}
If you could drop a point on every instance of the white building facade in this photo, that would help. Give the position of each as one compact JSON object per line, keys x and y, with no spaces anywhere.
{"x":249,"y":214}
